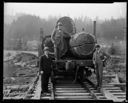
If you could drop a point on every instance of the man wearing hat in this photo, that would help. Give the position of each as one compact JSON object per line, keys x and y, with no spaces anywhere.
{"x":98,"y":66}
{"x":45,"y":69}
{"x":98,"y":60}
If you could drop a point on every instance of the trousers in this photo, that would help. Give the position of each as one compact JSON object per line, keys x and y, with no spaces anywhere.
{"x":99,"y":73}
{"x":45,"y":80}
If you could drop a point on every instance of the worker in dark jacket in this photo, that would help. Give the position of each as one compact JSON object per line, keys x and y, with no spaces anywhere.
{"x":45,"y":69}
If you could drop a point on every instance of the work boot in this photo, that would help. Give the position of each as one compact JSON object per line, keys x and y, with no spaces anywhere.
{"x":99,"y":88}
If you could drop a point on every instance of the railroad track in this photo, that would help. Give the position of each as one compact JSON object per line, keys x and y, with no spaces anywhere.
{"x":65,"y":89}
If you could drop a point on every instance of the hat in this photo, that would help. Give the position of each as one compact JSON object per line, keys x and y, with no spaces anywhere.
{"x":46,"y":48}
{"x":97,"y":46}
{"x":59,"y":24}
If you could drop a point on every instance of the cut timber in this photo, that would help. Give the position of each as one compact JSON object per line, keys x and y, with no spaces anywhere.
{"x":73,"y":97}
{"x":82,"y":44}
{"x":110,"y":96}
{"x":109,"y":76}
{"x":72,"y":94}
{"x":118,"y":84}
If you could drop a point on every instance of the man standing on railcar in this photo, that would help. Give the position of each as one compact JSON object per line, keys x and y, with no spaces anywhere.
{"x":45,"y":69}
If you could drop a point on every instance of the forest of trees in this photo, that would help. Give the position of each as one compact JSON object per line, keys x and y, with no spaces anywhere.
{"x":27,"y":28}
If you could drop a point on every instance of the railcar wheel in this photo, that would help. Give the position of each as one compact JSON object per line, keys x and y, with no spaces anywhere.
{"x":87,"y":72}
{"x":81,"y":73}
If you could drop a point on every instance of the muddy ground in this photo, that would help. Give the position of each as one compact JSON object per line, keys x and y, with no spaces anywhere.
{"x":19,"y":72}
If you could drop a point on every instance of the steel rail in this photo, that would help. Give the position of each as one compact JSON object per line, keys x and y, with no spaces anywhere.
{"x":89,"y":90}
{"x":31,"y":86}
{"x":52,"y":90}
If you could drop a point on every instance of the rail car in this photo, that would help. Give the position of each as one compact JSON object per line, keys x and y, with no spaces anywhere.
{"x":76,"y":51}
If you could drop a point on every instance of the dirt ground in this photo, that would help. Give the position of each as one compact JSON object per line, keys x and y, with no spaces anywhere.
{"x":21,"y":69}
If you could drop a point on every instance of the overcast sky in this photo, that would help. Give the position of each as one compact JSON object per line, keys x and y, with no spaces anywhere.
{"x":92,"y":10}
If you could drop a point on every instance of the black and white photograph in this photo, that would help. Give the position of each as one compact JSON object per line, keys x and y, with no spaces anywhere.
{"x":64,"y":51}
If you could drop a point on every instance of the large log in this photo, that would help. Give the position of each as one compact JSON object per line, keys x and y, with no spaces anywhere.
{"x":62,"y":47}
{"x":82,"y":44}
{"x":68,"y":24}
